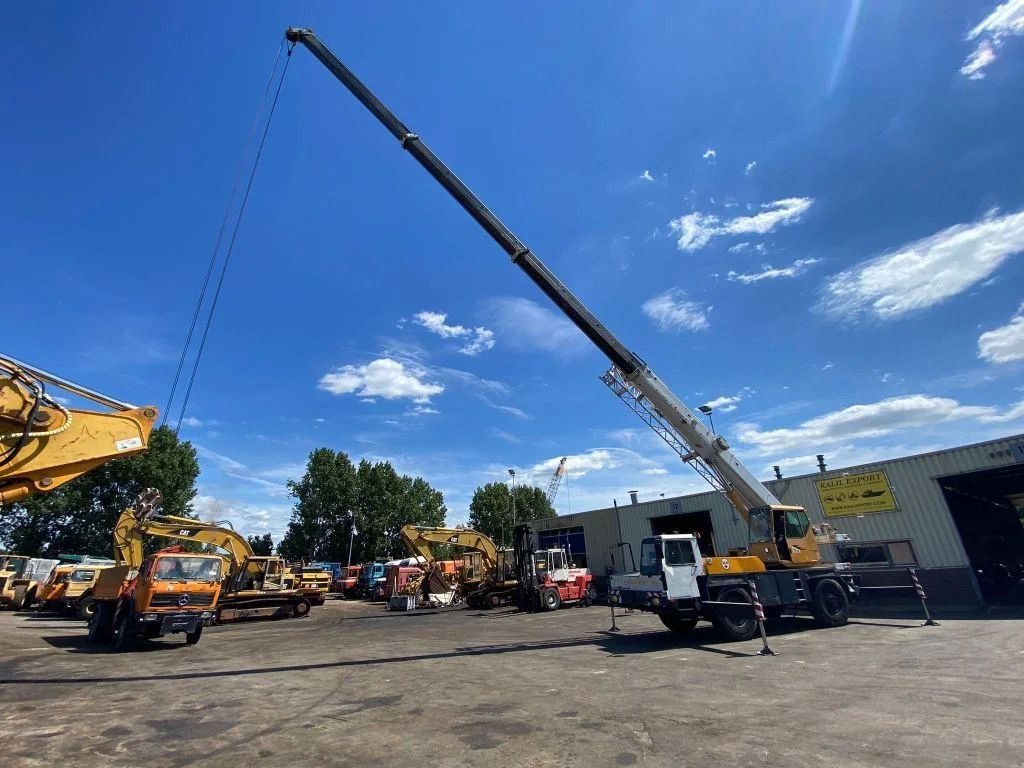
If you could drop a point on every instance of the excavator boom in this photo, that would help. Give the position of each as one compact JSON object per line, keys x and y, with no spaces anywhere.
{"x":44,"y":444}
{"x":419,"y":538}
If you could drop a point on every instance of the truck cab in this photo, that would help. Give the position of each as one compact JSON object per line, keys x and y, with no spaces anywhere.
{"x":670,"y":569}
{"x":172,"y":592}
{"x":371,"y":579}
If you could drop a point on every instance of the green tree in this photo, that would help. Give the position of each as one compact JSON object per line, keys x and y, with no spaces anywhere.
{"x":321,"y":517}
{"x":490,"y":511}
{"x":79,"y":516}
{"x":332,"y":495}
{"x":262,"y":545}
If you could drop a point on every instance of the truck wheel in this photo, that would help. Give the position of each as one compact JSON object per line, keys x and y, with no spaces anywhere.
{"x":191,"y":638}
{"x":123,"y":634}
{"x":677,"y":623}
{"x":494,"y":600}
{"x":300,"y":609}
{"x":20,"y":598}
{"x":86,"y":608}
{"x":550,"y":599}
{"x":99,"y":624}
{"x":735,"y":627}
{"x":830,"y":606}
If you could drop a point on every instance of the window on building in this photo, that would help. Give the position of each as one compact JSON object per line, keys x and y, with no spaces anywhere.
{"x":878,"y":554}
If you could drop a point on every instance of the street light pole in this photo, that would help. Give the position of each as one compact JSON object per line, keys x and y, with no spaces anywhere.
{"x":512,"y":472}
{"x":707,"y":410}
{"x":351,"y":536}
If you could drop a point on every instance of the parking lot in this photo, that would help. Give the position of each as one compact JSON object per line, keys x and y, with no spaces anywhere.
{"x":353,"y":685}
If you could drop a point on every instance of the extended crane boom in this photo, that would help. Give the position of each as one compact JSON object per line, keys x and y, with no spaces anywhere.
{"x":556,"y":480}
{"x":636,"y":382}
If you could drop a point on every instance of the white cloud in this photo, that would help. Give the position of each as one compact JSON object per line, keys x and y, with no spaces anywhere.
{"x":750,"y":167}
{"x":673,"y":311}
{"x":479,"y":339}
{"x":646,"y":176}
{"x":709,"y":154}
{"x":319,"y":419}
{"x":246,"y":518}
{"x":768,"y":272}
{"x":422,"y":410}
{"x":695,"y":230}
{"x":383,"y":377}
{"x":1007,"y":20}
{"x":739,"y":247}
{"x":654,"y":471}
{"x":501,"y":434}
{"x":925,"y":272}
{"x":828,"y":366}
{"x":886,"y":377}
{"x":528,"y":326}
{"x":272,"y":479}
{"x":1006,"y":343}
{"x":624,"y":436}
{"x":723,"y":403}
{"x":191,"y":421}
{"x":871,"y":420}
{"x":579,"y":464}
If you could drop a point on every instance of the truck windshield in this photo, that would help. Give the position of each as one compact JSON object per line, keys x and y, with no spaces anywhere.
{"x":87,"y":575}
{"x":650,"y":557}
{"x":189,"y":568}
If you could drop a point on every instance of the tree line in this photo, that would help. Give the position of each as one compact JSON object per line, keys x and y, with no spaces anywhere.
{"x":332,"y":496}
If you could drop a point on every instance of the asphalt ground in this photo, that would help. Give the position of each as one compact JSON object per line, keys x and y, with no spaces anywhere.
{"x":353,"y":685}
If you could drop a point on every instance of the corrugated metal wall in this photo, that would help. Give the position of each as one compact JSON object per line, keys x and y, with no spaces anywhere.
{"x":922,"y":517}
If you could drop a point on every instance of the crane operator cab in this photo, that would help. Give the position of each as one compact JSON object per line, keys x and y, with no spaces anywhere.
{"x":782,"y":537}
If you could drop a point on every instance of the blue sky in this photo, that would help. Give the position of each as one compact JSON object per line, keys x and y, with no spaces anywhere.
{"x":808,"y":214}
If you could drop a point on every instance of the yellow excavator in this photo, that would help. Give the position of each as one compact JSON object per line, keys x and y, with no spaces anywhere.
{"x":488,"y":577}
{"x":44,"y":444}
{"x":254,"y":586}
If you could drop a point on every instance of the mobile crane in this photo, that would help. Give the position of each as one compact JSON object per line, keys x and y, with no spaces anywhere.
{"x":556,"y":480}
{"x":782,"y":553}
{"x":254,"y":586}
{"x":44,"y":444}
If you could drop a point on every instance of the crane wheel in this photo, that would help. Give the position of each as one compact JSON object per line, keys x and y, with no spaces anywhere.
{"x":830,"y":606}
{"x":678,"y":625}
{"x":300,"y":609}
{"x":735,"y":627}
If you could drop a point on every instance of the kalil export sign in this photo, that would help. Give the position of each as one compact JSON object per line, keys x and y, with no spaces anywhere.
{"x":856,"y":494}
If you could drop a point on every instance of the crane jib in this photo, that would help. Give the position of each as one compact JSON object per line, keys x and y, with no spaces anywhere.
{"x":525,"y":259}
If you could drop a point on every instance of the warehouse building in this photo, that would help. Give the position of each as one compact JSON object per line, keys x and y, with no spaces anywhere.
{"x":954,"y":515}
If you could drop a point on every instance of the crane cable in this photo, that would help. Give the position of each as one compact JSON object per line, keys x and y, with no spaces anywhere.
{"x":220,"y":236}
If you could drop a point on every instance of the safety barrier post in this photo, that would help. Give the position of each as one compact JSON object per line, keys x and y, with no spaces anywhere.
{"x":929,"y":621}
{"x":759,"y":616}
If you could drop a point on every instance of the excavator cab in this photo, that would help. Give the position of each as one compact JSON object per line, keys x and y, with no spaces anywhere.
{"x":782,"y":537}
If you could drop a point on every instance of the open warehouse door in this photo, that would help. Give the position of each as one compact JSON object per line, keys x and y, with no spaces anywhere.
{"x":988,"y":509}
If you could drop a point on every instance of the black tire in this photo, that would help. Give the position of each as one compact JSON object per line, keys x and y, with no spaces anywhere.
{"x":676,"y":623}
{"x":300,"y":609}
{"x":124,"y":633}
{"x":494,"y":600}
{"x":550,"y":600}
{"x":20,"y":598}
{"x":99,"y":624}
{"x":86,"y":608}
{"x":830,"y":605}
{"x":191,"y":638}
{"x":735,"y":627}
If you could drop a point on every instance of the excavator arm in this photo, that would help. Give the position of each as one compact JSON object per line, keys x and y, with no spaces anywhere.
{"x":419,"y":538}
{"x":44,"y":444}
{"x":140,"y":521}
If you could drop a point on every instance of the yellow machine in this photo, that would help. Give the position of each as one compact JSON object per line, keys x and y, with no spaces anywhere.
{"x":313,"y":582}
{"x":254,"y":586}
{"x":44,"y":444}
{"x":51,"y":594}
{"x":483,"y":586}
{"x":80,"y":582}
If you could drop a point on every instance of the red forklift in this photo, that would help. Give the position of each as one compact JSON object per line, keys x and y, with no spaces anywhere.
{"x":547,"y":578}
